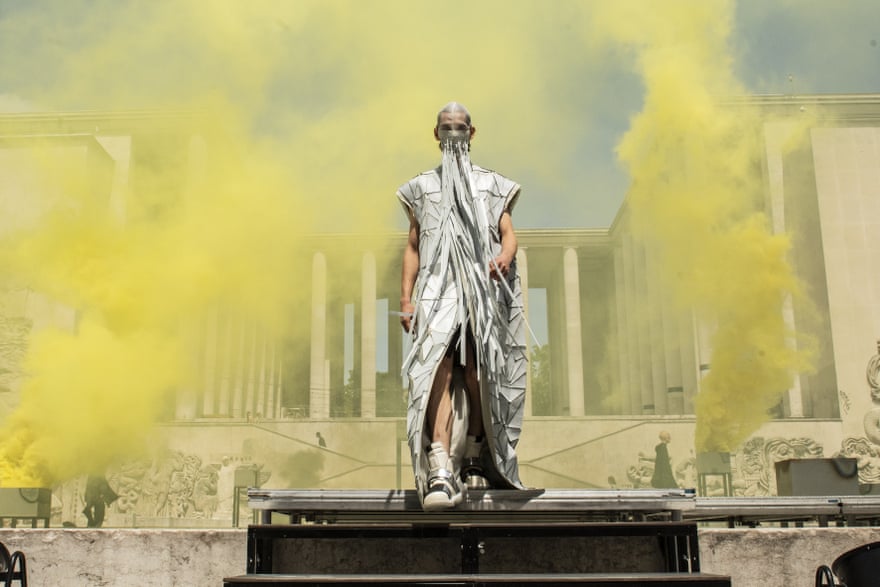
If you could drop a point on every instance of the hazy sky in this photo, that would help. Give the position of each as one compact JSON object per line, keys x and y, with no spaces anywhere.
{"x":778,"y":47}
{"x":550,"y":109}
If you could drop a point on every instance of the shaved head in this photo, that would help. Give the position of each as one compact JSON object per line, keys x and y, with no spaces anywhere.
{"x":452,"y":108}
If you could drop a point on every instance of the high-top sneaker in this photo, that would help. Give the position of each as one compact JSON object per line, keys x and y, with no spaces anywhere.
{"x":472,"y":467}
{"x":443,"y":492}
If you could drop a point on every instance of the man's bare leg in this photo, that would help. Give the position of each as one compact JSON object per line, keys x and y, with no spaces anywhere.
{"x":438,"y":415}
{"x":475,"y":402}
{"x":443,"y":491}
{"x":472,"y":470}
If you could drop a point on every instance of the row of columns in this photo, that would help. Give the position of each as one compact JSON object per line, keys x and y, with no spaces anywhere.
{"x":240,"y":372}
{"x":319,"y":380}
{"x":661,"y":353}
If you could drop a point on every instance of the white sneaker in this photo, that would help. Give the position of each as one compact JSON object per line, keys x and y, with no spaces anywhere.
{"x":443,"y":492}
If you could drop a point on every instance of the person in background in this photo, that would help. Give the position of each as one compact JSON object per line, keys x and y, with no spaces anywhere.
{"x":663,"y":477}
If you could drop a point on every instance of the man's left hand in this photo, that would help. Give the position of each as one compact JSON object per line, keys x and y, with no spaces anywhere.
{"x":500,"y":266}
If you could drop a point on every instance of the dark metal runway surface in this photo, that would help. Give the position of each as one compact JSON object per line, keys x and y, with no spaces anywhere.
{"x":334,"y":505}
{"x":388,"y":506}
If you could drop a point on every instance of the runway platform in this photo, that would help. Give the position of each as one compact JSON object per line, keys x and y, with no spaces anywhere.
{"x":379,"y":506}
{"x":768,"y":541}
{"x":602,"y":505}
{"x":549,"y":537}
{"x":822,"y":511}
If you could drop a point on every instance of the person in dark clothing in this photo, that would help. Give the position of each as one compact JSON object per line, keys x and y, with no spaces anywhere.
{"x":98,"y":496}
{"x":663,"y":477}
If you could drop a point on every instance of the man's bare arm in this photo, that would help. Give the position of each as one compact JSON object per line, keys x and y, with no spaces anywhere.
{"x":509,"y":247}
{"x":408,"y":275}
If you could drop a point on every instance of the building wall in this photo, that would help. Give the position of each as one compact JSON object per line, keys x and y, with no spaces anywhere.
{"x":625,"y":363}
{"x":847,"y":163}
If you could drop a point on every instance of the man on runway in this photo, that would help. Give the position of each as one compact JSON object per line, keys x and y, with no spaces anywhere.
{"x":462,"y":304}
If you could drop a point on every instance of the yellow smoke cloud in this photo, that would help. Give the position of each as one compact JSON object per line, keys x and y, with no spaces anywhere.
{"x":311,"y":113}
{"x":286,"y":119}
{"x":696,"y":199}
{"x":223,"y":234}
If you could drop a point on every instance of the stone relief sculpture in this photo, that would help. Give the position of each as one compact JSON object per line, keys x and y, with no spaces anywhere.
{"x":155,"y":488}
{"x":204,"y":495}
{"x":866,"y":450}
{"x":872,"y":418}
{"x":755,"y":473}
{"x":14,"y":333}
{"x":639,"y":474}
{"x":753,"y":468}
{"x":686,"y":472}
{"x":867,"y":456}
{"x":872,"y":374}
{"x":173,"y":486}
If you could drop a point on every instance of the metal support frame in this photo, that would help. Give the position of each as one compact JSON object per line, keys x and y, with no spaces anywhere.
{"x":392,"y":506}
{"x":677,"y":540}
{"x":726,"y":483}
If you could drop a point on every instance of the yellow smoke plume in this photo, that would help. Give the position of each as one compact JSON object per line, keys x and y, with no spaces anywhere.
{"x":311,"y":113}
{"x":224,"y":234}
{"x":696,"y":201}
{"x":287,"y":119}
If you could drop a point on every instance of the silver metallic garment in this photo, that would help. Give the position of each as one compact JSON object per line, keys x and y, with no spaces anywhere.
{"x":458,"y":208}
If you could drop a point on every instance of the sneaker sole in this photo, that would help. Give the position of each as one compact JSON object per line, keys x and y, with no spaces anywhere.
{"x":437,"y":500}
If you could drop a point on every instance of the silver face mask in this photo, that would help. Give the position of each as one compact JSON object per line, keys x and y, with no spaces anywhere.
{"x":454,"y":136}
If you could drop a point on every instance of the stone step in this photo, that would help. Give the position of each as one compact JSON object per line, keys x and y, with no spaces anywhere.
{"x":593,"y":580}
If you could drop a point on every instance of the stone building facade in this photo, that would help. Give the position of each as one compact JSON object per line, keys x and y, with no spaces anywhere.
{"x":322,"y":405}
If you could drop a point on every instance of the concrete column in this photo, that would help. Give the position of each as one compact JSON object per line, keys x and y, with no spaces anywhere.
{"x":522,"y":269}
{"x":690,"y":365}
{"x":619,"y":330}
{"x":368,"y":336}
{"x":327,"y":387}
{"x":267,"y":395}
{"x":558,"y":400}
{"x":230,"y":359}
{"x":251,"y":389}
{"x":119,"y":150}
{"x":632,"y":365}
{"x":210,"y":365}
{"x":672,"y":351}
{"x":241,"y":403}
{"x":571,"y":285}
{"x":703,"y":350}
{"x":643,"y":331}
{"x":262,"y":407}
{"x":656,"y":331}
{"x":273,"y":377}
{"x":265,"y":366}
{"x":319,"y":388}
{"x":186,"y":406}
{"x":777,"y":134}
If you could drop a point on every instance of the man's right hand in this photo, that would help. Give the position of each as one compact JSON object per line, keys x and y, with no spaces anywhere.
{"x":409,"y":274}
{"x":406,"y":311}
